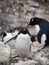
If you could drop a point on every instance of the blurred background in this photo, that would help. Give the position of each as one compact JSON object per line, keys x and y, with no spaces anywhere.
{"x":16,"y":13}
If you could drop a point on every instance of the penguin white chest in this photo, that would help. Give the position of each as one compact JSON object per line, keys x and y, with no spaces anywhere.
{"x":37,"y":29}
{"x":22,"y":44}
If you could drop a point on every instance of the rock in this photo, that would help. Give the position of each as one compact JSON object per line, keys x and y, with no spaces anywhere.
{"x":4,"y":25}
{"x":43,"y":60}
{"x":40,"y":11}
{"x":12,"y":17}
{"x":13,"y":53}
{"x":34,"y":4}
{"x":5,"y":52}
{"x":14,"y":20}
{"x":0,"y":11}
{"x":42,"y":56}
{"x":30,"y":62}
{"x":35,"y":47}
{"x":47,"y":0}
{"x":12,"y":64}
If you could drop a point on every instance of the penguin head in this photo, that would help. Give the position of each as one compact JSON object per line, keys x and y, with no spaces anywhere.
{"x":34,"y":21}
{"x":4,"y":34}
{"x":23,"y":30}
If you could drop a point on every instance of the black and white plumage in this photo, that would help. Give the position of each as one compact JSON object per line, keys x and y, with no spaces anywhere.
{"x":7,"y":36}
{"x":23,"y":42}
{"x":42,"y":30}
{"x":24,"y":31}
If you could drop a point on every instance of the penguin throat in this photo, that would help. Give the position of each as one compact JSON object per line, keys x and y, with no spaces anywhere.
{"x":37,"y":29}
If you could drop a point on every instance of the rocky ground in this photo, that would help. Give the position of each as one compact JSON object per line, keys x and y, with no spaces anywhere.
{"x":38,"y":57}
{"x":16,"y":13}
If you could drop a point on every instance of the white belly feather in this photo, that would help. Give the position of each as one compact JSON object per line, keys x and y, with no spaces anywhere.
{"x":22,"y":44}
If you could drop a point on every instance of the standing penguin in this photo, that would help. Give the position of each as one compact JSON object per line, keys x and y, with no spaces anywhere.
{"x":41,"y":29}
{"x":23,"y":42}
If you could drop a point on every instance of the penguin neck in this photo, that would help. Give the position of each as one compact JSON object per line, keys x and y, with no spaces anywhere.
{"x":37,"y":29}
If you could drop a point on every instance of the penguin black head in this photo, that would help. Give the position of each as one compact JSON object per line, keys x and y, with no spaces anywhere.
{"x":34,"y":21}
{"x":23,"y":30}
{"x":4,"y":34}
